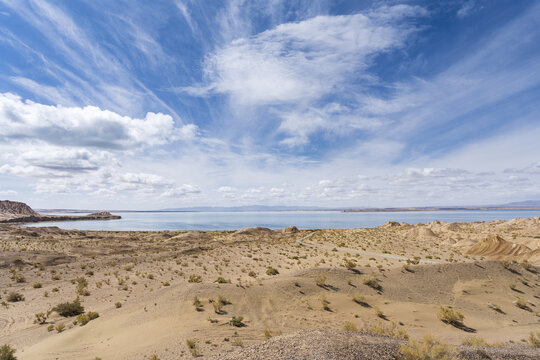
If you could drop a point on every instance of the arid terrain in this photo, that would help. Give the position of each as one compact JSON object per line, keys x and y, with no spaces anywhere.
{"x":263,"y":294}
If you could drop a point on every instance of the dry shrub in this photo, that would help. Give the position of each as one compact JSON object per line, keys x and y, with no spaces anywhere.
{"x":391,"y":330}
{"x":450,"y":316}
{"x":429,"y":348}
{"x":349,"y":326}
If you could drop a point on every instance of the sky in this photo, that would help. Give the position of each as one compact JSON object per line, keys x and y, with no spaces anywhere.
{"x":154,"y":104}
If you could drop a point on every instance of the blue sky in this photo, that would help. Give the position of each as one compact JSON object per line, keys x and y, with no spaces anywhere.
{"x":142,"y":105}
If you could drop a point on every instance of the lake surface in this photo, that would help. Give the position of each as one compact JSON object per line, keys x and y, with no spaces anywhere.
{"x":281,"y":219}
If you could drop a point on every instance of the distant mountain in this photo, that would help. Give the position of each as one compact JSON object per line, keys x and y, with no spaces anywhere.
{"x":527,"y":203}
{"x":246,"y":208}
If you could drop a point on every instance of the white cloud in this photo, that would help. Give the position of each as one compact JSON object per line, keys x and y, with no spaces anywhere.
{"x":305,"y":60}
{"x":7,"y":192}
{"x":184,"y":190}
{"x":83,"y":126}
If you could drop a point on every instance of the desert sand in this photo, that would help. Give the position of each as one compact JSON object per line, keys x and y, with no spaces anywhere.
{"x":263,"y":294}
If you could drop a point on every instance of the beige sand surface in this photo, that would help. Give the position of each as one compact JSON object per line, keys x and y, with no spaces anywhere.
{"x":474,"y":268}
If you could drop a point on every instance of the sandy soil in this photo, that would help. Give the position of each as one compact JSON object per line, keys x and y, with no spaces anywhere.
{"x":143,"y":285}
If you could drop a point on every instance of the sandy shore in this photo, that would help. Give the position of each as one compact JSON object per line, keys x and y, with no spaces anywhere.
{"x":154,"y":291}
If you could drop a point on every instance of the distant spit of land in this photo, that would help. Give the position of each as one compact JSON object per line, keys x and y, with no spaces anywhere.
{"x":17,"y":212}
{"x":523,"y":205}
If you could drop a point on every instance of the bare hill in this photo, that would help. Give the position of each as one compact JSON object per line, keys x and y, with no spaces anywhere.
{"x":16,"y":208}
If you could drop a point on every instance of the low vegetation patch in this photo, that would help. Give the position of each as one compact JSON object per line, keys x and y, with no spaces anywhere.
{"x":429,"y":348}
{"x":392,"y":330}
{"x":198,"y":304}
{"x":372,"y":282}
{"x":84,"y":319}
{"x":450,"y":316}
{"x":349,"y":326}
{"x":41,"y":318}
{"x":522,"y":304}
{"x":237,"y":321}
{"x":68,"y":309}
{"x":271,"y":333}
{"x":15,"y":297}
{"x":7,"y":353}
{"x":534,"y":339}
{"x":360,"y":299}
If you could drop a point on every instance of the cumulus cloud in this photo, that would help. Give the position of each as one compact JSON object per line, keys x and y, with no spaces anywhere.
{"x":87,"y":126}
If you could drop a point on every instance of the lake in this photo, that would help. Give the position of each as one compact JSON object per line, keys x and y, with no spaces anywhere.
{"x":281,"y":219}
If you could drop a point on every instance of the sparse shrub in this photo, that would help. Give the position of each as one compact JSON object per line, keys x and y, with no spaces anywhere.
{"x":191,"y":343}
{"x":198,"y":304}
{"x":166,"y":283}
{"x":237,"y":321}
{"x":41,"y":318}
{"x":18,"y":278}
{"x":218,"y":307}
{"x":271,"y":271}
{"x":450,"y":316}
{"x":379,"y":312}
{"x":271,"y":333}
{"x":50,"y":328}
{"x":359,"y":299}
{"x":372,"y":282}
{"x":321,"y":280}
{"x":429,"y":348}
{"x":349,"y":264}
{"x":223,"y":300}
{"x":522,"y":304}
{"x":15,"y":297}
{"x":391,"y":330}
{"x":527,"y":266}
{"x":7,"y":353}
{"x":222,"y":280}
{"x":534,"y":339}
{"x":237,"y":342}
{"x":474,"y":341}
{"x":252,"y":274}
{"x":118,"y":304}
{"x":60,"y":327}
{"x":349,"y":326}
{"x":325,"y":304}
{"x":495,"y":307}
{"x":83,"y":319}
{"x":192,"y":346}
{"x":69,"y":308}
{"x":195,"y":278}
{"x":36,"y":285}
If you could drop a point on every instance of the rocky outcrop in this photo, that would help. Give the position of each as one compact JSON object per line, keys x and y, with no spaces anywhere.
{"x":16,"y":208}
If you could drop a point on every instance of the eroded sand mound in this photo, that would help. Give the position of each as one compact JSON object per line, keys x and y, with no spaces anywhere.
{"x":496,"y":247}
{"x":422,"y":232}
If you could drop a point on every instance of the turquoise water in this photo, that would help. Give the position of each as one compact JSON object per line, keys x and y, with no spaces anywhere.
{"x":281,"y":219}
